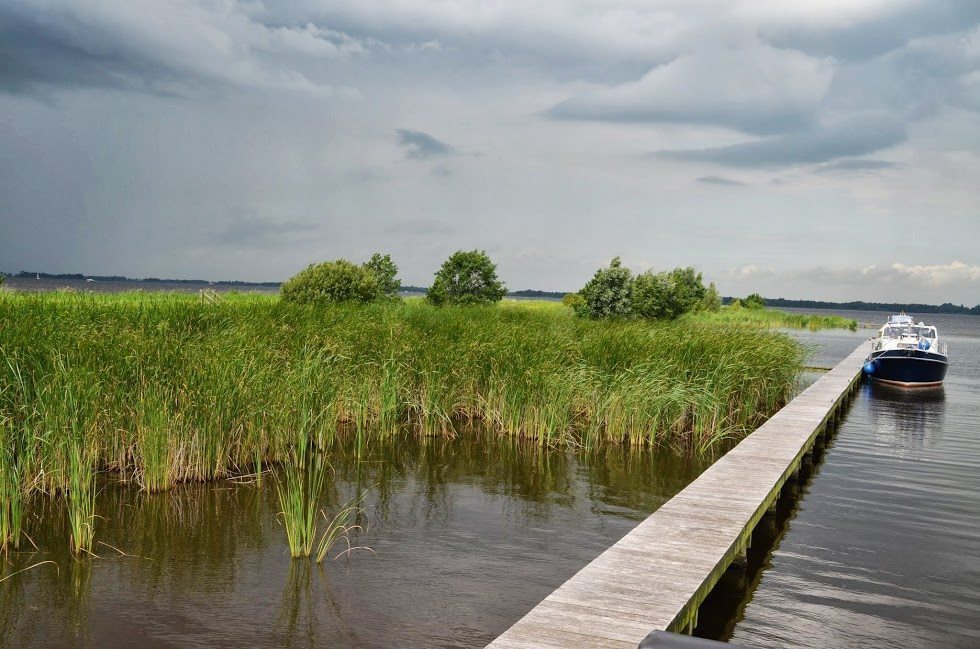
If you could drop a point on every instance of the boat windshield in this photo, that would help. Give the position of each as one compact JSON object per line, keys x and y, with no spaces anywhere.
{"x":893,"y":331}
{"x":925,"y":332}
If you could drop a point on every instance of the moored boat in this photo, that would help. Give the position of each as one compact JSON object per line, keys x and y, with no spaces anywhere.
{"x":907,"y":353}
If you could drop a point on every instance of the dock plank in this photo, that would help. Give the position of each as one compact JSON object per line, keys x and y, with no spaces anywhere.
{"x":661,"y":571}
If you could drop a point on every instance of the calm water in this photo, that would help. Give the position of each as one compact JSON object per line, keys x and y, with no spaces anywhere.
{"x":883,"y":548}
{"x":467,"y":534}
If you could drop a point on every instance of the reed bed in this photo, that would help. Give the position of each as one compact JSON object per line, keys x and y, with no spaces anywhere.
{"x":160,"y":389}
{"x":773,"y":318}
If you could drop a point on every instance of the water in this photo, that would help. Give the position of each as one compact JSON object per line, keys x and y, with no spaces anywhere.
{"x":467,"y":534}
{"x":883,"y":548}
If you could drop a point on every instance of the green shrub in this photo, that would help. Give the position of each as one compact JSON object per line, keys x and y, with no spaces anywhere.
{"x":331,"y":282}
{"x":654,"y":296}
{"x":608,"y":293}
{"x":613,"y":292}
{"x":467,"y":277}
{"x":754,"y":301}
{"x":574,"y":301}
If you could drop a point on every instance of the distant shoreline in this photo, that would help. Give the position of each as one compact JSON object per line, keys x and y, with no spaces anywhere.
{"x":33,"y":281}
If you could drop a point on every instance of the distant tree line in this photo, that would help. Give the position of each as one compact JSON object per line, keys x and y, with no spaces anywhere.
{"x":660,"y":295}
{"x":146,"y":280}
{"x":946,"y":307}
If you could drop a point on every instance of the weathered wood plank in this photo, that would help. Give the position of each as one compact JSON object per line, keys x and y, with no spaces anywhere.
{"x":656,"y":576}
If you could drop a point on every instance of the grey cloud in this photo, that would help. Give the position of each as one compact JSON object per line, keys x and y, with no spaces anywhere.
{"x":422,"y":227}
{"x":854,"y":137}
{"x":421,"y":146}
{"x":855,"y":164}
{"x":757,"y":90}
{"x":879,"y":32}
{"x":718,"y":180}
{"x":257,"y":232}
{"x":165,"y":48}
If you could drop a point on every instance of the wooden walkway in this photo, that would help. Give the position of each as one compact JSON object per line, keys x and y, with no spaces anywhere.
{"x":658,"y":575}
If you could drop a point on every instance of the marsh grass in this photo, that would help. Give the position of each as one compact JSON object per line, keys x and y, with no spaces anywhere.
{"x":11,"y":491}
{"x":299,"y":486}
{"x":773,"y":318}
{"x":160,"y":389}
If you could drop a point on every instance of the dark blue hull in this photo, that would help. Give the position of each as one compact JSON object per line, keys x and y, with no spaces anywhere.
{"x":908,"y":367}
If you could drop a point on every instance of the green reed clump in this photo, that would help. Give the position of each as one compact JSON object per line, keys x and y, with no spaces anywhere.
{"x":81,"y":497}
{"x":300,"y":484}
{"x":168,"y":389}
{"x":11,"y":490}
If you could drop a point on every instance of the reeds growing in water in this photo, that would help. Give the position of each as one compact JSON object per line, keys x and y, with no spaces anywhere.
{"x":160,"y":389}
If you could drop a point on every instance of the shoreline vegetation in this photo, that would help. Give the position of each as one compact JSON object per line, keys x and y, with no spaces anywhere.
{"x":152,"y":284}
{"x":158,"y":389}
{"x":155,"y":389}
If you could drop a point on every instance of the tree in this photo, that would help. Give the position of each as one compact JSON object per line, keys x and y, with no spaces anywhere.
{"x":654,"y":296}
{"x":754,"y":301}
{"x":609,"y":293}
{"x":385,"y":273}
{"x":688,"y":288}
{"x":329,"y":282}
{"x":668,"y":294}
{"x":711,"y":300}
{"x":467,"y":277}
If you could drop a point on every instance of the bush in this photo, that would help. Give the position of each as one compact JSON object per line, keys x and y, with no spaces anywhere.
{"x":467,"y":277}
{"x":385,"y":273}
{"x":574,"y":301}
{"x":614,"y":293}
{"x":754,"y":301}
{"x":331,"y":282}
{"x":654,"y":296}
{"x":608,"y":293}
{"x":688,"y":288}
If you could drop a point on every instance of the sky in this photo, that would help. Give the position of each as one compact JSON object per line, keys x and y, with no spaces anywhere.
{"x":821,"y":149}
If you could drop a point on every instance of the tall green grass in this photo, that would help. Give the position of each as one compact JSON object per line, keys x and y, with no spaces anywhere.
{"x":160,"y":389}
{"x":772,"y":318}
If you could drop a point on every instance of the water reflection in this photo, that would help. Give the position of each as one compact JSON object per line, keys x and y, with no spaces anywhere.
{"x":883,"y":548}
{"x":469,"y":533}
{"x":906,"y":418}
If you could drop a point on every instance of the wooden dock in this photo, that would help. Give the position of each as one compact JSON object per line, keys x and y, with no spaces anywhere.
{"x":658,"y":575}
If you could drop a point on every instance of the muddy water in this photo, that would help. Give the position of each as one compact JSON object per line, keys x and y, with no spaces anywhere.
{"x":467,"y":535}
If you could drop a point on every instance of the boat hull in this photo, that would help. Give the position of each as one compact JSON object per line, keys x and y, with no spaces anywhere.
{"x":908,"y":367}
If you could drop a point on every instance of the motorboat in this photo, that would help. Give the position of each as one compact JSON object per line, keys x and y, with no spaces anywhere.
{"x":907,"y":354}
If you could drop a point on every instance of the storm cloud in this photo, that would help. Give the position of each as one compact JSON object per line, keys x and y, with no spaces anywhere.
{"x":244,"y":140}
